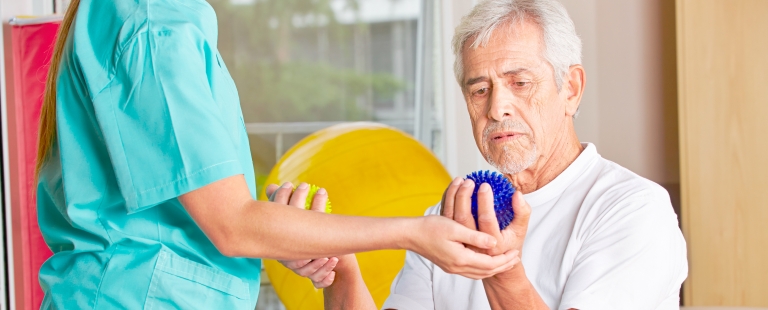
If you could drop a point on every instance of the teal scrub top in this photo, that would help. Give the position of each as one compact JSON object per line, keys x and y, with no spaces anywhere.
{"x":146,"y":111}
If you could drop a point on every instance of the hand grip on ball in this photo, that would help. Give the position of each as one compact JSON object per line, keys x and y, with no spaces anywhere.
{"x":502,"y":195}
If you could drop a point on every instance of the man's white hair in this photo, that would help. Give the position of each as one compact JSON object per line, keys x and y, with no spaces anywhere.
{"x":562,"y":47}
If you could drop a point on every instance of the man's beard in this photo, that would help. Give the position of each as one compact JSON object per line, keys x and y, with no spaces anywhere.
{"x":511,"y":161}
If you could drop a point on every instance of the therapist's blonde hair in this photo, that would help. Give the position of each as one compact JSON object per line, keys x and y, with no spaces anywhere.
{"x":47,"y":132}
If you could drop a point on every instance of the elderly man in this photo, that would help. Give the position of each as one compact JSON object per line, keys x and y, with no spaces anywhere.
{"x":591,"y":234}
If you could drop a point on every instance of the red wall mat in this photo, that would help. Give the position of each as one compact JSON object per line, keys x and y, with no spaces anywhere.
{"x":32,"y":48}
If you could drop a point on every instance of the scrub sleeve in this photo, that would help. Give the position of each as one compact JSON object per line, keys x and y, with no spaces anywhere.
{"x":165,"y":133}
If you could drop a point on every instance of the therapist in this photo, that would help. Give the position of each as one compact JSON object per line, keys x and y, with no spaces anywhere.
{"x":145,"y":179}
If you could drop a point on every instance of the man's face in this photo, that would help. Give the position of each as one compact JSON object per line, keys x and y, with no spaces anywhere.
{"x":513,"y":101}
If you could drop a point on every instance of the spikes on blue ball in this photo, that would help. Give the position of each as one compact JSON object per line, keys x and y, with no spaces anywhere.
{"x":502,"y":195}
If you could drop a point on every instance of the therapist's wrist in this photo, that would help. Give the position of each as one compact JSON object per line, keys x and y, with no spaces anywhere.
{"x":407,"y":233}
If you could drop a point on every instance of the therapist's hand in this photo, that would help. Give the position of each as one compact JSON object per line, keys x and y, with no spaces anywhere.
{"x":320,"y":270}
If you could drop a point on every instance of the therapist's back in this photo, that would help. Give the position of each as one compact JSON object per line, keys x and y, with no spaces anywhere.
{"x":137,"y":78}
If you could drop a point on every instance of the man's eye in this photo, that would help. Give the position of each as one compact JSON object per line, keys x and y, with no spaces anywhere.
{"x":481,"y":92}
{"x":521,"y":84}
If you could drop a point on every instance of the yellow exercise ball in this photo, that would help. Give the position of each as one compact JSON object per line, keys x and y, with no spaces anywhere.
{"x":369,"y":169}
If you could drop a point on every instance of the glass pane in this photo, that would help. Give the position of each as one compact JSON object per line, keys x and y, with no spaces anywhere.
{"x":302,"y":65}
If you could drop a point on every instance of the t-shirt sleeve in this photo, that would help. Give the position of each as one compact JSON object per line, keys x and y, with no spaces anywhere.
{"x":165,"y":133}
{"x":634,"y":258}
{"x":412,"y":287}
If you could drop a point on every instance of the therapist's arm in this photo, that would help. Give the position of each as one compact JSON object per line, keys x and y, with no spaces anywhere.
{"x":242,"y":227}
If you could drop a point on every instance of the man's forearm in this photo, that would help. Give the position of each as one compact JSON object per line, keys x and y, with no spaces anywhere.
{"x":348,"y":290}
{"x":512,"y":290}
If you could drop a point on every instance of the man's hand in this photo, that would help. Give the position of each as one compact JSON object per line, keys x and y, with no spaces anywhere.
{"x":510,"y":289}
{"x":321,"y":270}
{"x":446,"y":243}
{"x":457,"y":204}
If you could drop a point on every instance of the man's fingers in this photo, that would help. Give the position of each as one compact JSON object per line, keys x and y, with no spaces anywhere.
{"x":522,"y":214}
{"x":450,"y":196}
{"x":462,"y":210}
{"x":319,"y":201}
{"x":283,"y":194}
{"x":486,"y":214}
{"x":299,"y":197}
{"x":271,"y":188}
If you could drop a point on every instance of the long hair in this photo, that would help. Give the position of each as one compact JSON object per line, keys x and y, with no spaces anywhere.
{"x":47,"y":132}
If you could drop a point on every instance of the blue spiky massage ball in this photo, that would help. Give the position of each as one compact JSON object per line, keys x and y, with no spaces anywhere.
{"x":502,"y":195}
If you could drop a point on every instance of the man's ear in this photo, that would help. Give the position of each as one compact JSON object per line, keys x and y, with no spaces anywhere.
{"x":573,"y":88}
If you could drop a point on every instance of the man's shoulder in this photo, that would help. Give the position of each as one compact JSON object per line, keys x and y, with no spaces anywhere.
{"x":617,"y":190}
{"x":613,"y":180}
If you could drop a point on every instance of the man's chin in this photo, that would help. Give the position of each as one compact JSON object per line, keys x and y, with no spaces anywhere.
{"x":510,"y":165}
{"x":510,"y":169}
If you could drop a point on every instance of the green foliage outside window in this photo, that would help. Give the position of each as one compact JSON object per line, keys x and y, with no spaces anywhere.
{"x":293,"y":61}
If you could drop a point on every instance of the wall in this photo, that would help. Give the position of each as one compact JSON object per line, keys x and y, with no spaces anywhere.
{"x":723,"y":113}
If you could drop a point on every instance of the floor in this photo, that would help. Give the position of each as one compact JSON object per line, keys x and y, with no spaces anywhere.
{"x":268,"y":299}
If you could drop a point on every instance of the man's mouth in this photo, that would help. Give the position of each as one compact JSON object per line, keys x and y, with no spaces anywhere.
{"x":504,"y":136}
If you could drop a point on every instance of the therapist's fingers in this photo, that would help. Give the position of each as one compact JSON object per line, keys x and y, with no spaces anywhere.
{"x":462,"y":208}
{"x":480,"y":266}
{"x":320,"y":200}
{"x":283,"y":194}
{"x":449,"y":197}
{"x":327,"y":281}
{"x":295,"y":264}
{"x":271,"y":189}
{"x":299,"y":197}
{"x":313,"y":266}
{"x":318,"y":276}
{"x":515,"y":259}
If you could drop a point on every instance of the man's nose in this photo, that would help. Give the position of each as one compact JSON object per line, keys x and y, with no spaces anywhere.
{"x":501,"y":106}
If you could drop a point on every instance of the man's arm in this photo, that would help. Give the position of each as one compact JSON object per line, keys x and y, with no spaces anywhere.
{"x":348,"y":290}
{"x":512,"y":290}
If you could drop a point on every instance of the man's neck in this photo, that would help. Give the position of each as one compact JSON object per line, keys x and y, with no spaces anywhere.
{"x":549,"y":165}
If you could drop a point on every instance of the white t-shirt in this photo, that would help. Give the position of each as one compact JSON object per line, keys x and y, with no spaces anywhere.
{"x":599,"y":237}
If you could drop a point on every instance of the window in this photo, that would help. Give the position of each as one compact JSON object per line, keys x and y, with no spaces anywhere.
{"x":303,"y":65}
